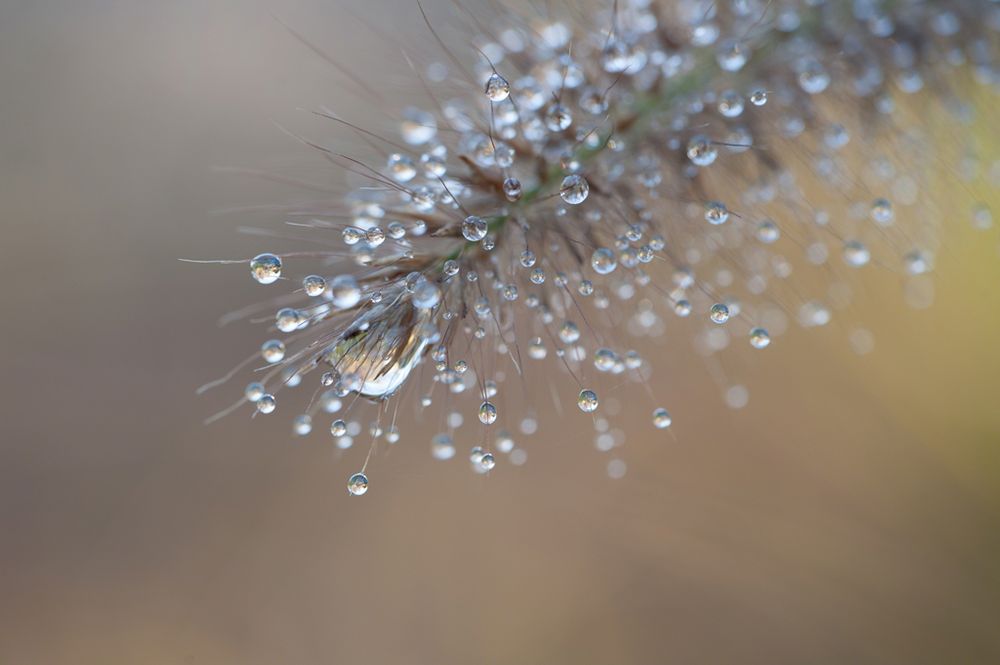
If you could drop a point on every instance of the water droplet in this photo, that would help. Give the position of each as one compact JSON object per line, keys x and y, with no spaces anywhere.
{"x":497,"y":88}
{"x":314,"y":285}
{"x":701,"y":151}
{"x":338,"y":428}
{"x":273,"y":350}
{"x":375,"y":236}
{"x":344,"y":291}
{"x":558,"y":118}
{"x":603,"y":261}
{"x":732,"y":55}
{"x":587,"y":401}
{"x":759,"y":338}
{"x":254,"y":391}
{"x":265,"y":268}
{"x":487,"y":413}
{"x":767,"y":232}
{"x":442,"y":447}
{"x":426,"y":294}
{"x":813,"y":77}
{"x":474,"y":228}
{"x":882,"y":212}
{"x":758,"y":97}
{"x":512,"y":189}
{"x":661,"y":418}
{"x":288,"y":319}
{"x":716,"y":213}
{"x":357,"y":484}
{"x":302,"y":425}
{"x":719,"y":313}
{"x":730,"y":104}
{"x":266,"y":404}
{"x":401,"y":168}
{"x":575,"y":189}
{"x":917,"y":262}
{"x":856,"y":254}
{"x":487,"y":461}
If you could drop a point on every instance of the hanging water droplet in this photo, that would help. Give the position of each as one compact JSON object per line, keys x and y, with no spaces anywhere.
{"x":661,"y":418}
{"x":426,"y":294}
{"x":682,"y":308}
{"x":265,"y":268}
{"x":767,"y":232}
{"x":352,"y":235}
{"x":487,"y":461}
{"x":344,"y":291}
{"x":254,"y":391}
{"x":603,"y":261}
{"x":474,"y":228}
{"x":442,"y":447}
{"x":512,"y":189}
{"x":701,"y":151}
{"x":266,"y":404}
{"x":719,"y":313}
{"x":273,"y":350}
{"x":418,"y":126}
{"x":575,"y":189}
{"x":374,"y":236}
{"x":401,"y":168}
{"x":338,"y":428}
{"x":856,"y":254}
{"x":716,"y":213}
{"x":288,"y":319}
{"x":758,"y":97}
{"x":730,"y":104}
{"x":497,"y":88}
{"x":314,"y":285}
{"x":732,"y":55}
{"x":813,"y":77}
{"x":587,"y":401}
{"x":302,"y":425}
{"x":882,"y":212}
{"x":917,"y":262}
{"x":357,"y":484}
{"x":487,"y":413}
{"x":759,"y":338}
{"x":558,"y":118}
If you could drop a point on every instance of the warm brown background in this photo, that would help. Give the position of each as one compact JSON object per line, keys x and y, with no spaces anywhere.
{"x":852,"y":515}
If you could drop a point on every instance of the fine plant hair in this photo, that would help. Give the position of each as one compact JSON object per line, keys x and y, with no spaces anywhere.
{"x":580,"y":176}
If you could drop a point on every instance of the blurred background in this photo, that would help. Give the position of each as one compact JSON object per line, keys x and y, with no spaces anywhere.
{"x":851,"y":513}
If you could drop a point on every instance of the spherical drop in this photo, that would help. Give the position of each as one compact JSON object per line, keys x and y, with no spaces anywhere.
{"x":661,"y":418}
{"x":497,"y":88}
{"x":603,"y":261}
{"x":700,"y":151}
{"x":587,"y":401}
{"x":575,"y":189}
{"x":487,"y":413}
{"x":265,"y":268}
{"x":487,"y":461}
{"x":314,"y":285}
{"x":357,"y":484}
{"x":759,"y":338}
{"x":719,"y":313}
{"x":266,"y":404}
{"x":344,"y":291}
{"x":474,"y":228}
{"x":273,"y":350}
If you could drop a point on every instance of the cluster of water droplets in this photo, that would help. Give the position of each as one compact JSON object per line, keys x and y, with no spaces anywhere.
{"x":668,"y":168}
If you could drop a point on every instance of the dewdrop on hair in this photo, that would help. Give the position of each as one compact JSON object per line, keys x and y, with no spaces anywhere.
{"x":703,"y":168}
